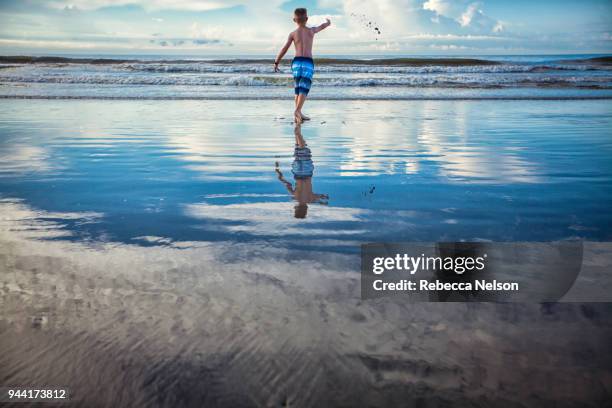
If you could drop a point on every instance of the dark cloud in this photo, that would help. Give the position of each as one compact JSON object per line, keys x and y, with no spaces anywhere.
{"x":176,"y":42}
{"x":204,"y":41}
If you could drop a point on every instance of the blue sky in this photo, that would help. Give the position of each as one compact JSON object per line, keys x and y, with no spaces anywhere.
{"x":201,"y":27}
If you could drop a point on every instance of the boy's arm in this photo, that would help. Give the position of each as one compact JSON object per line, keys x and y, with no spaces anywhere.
{"x":282,"y":52}
{"x":323,"y":26}
{"x":287,"y":184}
{"x":320,"y":198}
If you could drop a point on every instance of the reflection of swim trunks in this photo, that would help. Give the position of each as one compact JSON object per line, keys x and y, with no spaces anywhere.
{"x":303,"y":70}
{"x":302,"y":166}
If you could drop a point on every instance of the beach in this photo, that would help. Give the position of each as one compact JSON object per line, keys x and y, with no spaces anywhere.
{"x":150,"y":254}
{"x":186,"y":327}
{"x":360,"y":204}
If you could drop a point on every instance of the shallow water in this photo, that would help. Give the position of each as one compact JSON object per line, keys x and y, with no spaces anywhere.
{"x":150,"y":255}
{"x":405,"y":171}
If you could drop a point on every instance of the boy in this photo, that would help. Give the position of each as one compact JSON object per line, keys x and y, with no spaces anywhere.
{"x":302,"y":65}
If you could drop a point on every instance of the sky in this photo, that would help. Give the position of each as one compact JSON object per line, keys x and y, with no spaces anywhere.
{"x":260,"y":27}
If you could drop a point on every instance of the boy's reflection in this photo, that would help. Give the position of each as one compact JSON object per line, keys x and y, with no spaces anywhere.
{"x":302,"y":169}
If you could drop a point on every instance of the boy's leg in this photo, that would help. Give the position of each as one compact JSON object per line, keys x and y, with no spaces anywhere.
{"x":300,"y":103}
{"x":298,"y":106}
{"x":297,"y":118}
{"x":301,"y":98}
{"x":302,"y":90}
{"x":304,"y":117}
{"x":308,"y":74}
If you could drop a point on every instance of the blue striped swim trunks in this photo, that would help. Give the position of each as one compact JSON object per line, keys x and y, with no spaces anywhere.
{"x":302,"y":166}
{"x":303,"y":70}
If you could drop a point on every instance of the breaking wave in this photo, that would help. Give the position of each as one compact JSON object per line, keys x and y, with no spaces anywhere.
{"x":445,"y":80}
{"x":18,"y":73}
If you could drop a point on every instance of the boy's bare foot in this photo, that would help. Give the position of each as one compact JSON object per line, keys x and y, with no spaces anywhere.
{"x":304,"y":117}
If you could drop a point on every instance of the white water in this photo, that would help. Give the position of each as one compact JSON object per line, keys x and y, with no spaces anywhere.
{"x":512,"y":77}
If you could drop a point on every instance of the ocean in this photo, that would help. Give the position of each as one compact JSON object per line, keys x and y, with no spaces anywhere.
{"x":392,"y":77}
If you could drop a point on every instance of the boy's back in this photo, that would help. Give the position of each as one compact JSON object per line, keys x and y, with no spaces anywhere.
{"x":302,"y":40}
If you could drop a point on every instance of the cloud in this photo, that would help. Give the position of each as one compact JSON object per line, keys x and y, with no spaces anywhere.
{"x":26,"y":159}
{"x":206,"y":35}
{"x":440,"y":7}
{"x":204,"y":41}
{"x":451,"y":9}
{"x":198,"y":30}
{"x":191,"y":5}
{"x":166,"y":43}
{"x":178,"y":42}
{"x":277,"y":218}
{"x":261,"y":26}
{"x":459,"y":37}
{"x":468,"y":15}
{"x":448,"y":47}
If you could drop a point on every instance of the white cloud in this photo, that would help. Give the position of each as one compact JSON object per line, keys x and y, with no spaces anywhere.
{"x":200,"y":31}
{"x":277,"y":218}
{"x":459,"y":37}
{"x":193,"y":5}
{"x":448,"y":47}
{"x":446,"y":8}
{"x":441,"y":7}
{"x":399,"y":21}
{"x":468,"y":15}
{"x":25,"y":159}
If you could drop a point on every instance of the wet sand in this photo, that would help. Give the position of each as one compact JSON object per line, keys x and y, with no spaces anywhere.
{"x":231,"y":325}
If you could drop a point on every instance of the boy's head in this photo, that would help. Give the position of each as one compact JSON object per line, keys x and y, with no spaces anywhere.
{"x":300,"y":16}
{"x":300,"y":210}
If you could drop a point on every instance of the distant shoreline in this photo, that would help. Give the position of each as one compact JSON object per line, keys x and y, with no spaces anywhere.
{"x":315,"y":98}
{"x":444,"y":61}
{"x":325,"y":61}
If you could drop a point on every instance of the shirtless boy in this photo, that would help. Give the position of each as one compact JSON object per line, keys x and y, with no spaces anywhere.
{"x":302,"y":65}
